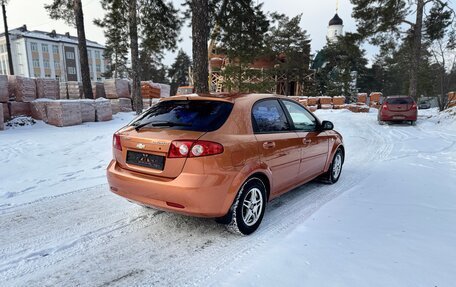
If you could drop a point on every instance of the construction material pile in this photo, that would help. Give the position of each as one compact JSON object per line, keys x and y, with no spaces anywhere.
{"x":117,"y":88}
{"x":451,"y":99}
{"x":150,"y":90}
{"x":47,"y":88}
{"x":326,"y":103}
{"x":98,"y":90}
{"x":21,"y":89}
{"x":74,"y":90}
{"x":339,"y":103}
{"x":374,"y":99}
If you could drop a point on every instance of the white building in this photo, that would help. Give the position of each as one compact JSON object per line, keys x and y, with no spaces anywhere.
{"x":49,"y":55}
{"x":335,"y":28}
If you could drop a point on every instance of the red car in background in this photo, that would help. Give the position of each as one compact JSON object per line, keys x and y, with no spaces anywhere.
{"x":398,"y":109}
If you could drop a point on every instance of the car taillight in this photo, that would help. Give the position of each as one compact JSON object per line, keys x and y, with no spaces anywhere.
{"x":414,"y":106}
{"x":189,"y":148}
{"x":385,"y":106}
{"x":116,"y":142}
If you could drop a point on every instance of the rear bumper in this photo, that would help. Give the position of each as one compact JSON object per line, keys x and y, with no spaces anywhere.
{"x":204,"y":195}
{"x":398,"y":116}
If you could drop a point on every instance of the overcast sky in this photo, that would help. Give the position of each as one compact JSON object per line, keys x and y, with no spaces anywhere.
{"x":316,"y":15}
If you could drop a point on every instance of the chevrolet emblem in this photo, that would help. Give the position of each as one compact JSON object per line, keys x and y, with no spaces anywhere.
{"x":141,"y":146}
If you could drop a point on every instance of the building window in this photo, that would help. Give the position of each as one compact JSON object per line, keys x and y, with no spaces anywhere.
{"x":34,"y":46}
{"x":57,"y":65}
{"x":72,"y":70}
{"x":45,"y":48}
{"x":55,"y":49}
{"x":97,"y":55}
{"x":89,"y":54}
{"x":98,"y":68}
{"x":46,"y":64}
{"x":70,"y":55}
{"x":36,"y":63}
{"x":47,"y":76}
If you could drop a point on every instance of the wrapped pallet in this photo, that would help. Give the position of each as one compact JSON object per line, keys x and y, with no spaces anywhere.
{"x":103,"y":110}
{"x":338,"y":100}
{"x":22,"y":89}
{"x":326,"y":107}
{"x":451,"y":99}
{"x":313,"y":101}
{"x":312,"y":108}
{"x":17,"y":109}
{"x":146,"y":103}
{"x":362,"y":98}
{"x":47,"y":88}
{"x":98,"y":90}
{"x":74,"y":90}
{"x":294,"y":98}
{"x":87,"y":110}
{"x":6,"y":113}
{"x":325,"y":100}
{"x":39,"y":109}
{"x":125,"y":105}
{"x":2,"y":124}
{"x":303,"y":101}
{"x":150,"y":90}
{"x":374,"y":97}
{"x":358,"y":108}
{"x":4,"y":93}
{"x":63,"y":91}
{"x":116,"y":88}
{"x":165,"y":90}
{"x":340,"y":107}
{"x":63,"y":113}
{"x":115,"y":106}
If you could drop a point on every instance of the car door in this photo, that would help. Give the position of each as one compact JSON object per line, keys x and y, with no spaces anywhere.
{"x":278,"y":144}
{"x":314,"y":144}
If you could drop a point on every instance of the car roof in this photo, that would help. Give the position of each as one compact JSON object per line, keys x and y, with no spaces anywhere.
{"x":399,"y":96}
{"x":226,"y":97}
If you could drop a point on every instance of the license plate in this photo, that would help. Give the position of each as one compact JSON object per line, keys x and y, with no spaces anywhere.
{"x":146,"y":160}
{"x":398,"y":117}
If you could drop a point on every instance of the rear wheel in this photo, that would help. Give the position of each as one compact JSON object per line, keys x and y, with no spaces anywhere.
{"x":247,"y":211}
{"x":413,"y":123}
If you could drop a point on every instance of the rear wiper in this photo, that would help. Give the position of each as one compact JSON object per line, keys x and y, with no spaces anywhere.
{"x":162,"y":124}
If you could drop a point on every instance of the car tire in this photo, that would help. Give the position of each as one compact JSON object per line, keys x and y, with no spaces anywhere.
{"x":413,"y":123}
{"x":248,"y":208}
{"x":335,"y":169}
{"x":381,"y":123}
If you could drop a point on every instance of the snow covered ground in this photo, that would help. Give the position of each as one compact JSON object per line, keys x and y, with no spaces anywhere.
{"x":389,"y":221}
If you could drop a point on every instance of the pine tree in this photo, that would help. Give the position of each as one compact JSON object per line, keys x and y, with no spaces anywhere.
{"x":71,"y":12}
{"x":383,"y":23}
{"x":115,"y":25}
{"x":178,"y":72}
{"x":153,"y":25}
{"x":291,"y":47}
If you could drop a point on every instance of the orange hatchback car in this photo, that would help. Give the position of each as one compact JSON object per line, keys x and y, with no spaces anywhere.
{"x":222,"y":156}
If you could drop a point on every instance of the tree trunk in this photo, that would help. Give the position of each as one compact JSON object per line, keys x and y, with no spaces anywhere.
{"x":200,"y":31}
{"x":416,"y":47}
{"x":135,"y":85}
{"x":82,"y":45}
{"x":8,"y":45}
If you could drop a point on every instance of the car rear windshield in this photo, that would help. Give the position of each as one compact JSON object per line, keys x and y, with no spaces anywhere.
{"x":191,"y":115}
{"x":400,"y":101}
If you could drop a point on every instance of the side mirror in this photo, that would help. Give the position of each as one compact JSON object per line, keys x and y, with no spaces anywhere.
{"x":327,"y":125}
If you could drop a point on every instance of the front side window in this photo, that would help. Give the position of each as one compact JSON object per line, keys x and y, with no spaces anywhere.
{"x":301,"y":118}
{"x":268,"y":117}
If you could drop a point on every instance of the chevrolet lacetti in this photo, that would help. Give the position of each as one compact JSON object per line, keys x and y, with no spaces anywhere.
{"x":222,"y":156}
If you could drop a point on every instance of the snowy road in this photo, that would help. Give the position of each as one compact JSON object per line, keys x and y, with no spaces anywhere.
{"x":91,"y":237}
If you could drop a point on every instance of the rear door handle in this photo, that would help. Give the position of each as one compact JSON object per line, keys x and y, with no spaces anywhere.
{"x":268,"y":145}
{"x":306,"y":141}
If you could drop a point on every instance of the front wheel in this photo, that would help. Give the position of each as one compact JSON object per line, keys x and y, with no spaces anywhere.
{"x":335,"y":169}
{"x":248,"y":208}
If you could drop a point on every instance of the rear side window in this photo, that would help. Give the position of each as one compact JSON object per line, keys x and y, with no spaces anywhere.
{"x":400,"y":101}
{"x":268,"y":117}
{"x":196,"y":115}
